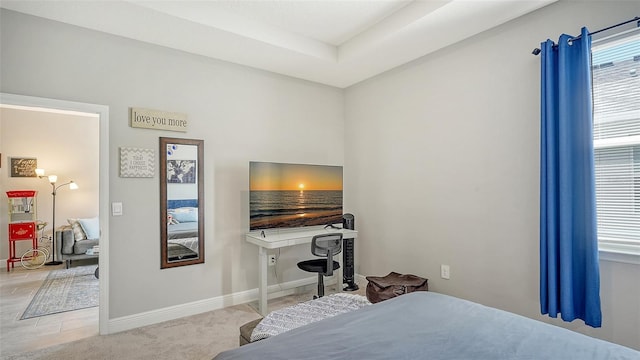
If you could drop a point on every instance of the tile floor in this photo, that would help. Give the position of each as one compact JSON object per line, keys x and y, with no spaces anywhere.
{"x":17,"y":288}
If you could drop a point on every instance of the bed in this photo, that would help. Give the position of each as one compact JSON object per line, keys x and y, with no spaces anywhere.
{"x":428,"y":325}
{"x":182,"y":223}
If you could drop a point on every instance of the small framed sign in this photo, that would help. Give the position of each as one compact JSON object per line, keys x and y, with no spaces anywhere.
{"x":137,"y":163}
{"x":157,"y":119}
{"x":23,"y":167}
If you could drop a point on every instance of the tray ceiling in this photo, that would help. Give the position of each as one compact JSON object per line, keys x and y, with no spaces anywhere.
{"x":337,"y":43}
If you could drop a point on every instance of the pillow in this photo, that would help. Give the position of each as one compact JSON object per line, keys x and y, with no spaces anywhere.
{"x":67,"y":246}
{"x":91,"y":227}
{"x":185,"y":214}
{"x":78,"y":233}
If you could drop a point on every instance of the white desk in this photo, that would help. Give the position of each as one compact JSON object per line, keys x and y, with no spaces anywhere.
{"x":284,"y":238}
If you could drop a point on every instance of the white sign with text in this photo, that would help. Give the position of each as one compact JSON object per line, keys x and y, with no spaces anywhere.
{"x":158,"y":120}
{"x":137,"y":163}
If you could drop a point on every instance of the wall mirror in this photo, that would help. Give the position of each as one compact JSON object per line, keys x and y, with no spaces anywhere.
{"x":181,"y":202}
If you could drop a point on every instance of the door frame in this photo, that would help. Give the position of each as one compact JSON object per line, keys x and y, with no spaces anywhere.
{"x":103,"y":207}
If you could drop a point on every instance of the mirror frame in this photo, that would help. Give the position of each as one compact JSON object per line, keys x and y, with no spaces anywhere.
{"x":164,"y":261}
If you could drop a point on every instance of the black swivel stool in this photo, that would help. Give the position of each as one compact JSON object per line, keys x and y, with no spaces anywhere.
{"x":325,"y":246}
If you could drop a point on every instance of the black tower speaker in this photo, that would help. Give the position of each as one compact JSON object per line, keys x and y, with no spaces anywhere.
{"x":348,"y":260}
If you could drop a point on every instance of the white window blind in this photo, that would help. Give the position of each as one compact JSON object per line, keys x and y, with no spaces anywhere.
{"x":616,"y":102}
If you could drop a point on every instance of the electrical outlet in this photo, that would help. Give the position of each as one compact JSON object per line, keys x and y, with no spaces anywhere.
{"x":272,"y":260}
{"x":444,"y":272}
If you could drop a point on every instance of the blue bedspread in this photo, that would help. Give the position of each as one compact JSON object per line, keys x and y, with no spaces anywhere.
{"x":428,"y":325}
{"x":182,"y":230}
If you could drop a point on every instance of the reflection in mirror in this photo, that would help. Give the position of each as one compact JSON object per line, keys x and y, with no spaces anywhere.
{"x":181,"y":202}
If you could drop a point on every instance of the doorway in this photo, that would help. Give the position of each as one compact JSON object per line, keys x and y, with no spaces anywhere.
{"x":99,"y":113}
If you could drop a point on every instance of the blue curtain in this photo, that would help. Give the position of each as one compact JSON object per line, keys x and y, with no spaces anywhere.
{"x":569,"y":272}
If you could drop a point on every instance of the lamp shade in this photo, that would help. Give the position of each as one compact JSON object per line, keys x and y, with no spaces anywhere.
{"x":39,"y":172}
{"x":53,"y":179}
{"x":73,"y":186}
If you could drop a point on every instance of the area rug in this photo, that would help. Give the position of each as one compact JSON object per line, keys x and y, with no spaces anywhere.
{"x":65,"y":290}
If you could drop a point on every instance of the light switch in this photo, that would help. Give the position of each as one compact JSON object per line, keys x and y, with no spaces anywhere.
{"x":116,"y":208}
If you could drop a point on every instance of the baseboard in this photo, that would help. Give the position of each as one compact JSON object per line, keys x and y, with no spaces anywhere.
{"x":198,"y":307}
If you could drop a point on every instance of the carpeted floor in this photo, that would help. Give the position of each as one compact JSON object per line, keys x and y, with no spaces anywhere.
{"x":65,"y":290}
{"x":195,"y":337}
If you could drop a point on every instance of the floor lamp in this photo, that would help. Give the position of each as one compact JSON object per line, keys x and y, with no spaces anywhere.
{"x":54,"y":190}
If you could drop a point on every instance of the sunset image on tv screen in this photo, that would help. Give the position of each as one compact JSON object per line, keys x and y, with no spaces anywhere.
{"x":294,"y":195}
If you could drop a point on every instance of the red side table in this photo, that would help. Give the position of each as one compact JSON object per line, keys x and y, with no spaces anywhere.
{"x":22,"y":231}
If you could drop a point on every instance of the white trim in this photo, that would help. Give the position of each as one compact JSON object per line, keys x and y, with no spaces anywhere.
{"x":612,"y":40}
{"x":103,"y":208}
{"x":618,"y":256}
{"x":618,"y":250}
{"x":200,"y":306}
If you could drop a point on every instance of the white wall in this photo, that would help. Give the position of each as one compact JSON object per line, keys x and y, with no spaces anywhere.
{"x":242,"y":114}
{"x":443,"y":168}
{"x":64,"y":145}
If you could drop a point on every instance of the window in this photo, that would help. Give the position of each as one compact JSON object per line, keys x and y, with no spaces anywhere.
{"x":616,"y":134}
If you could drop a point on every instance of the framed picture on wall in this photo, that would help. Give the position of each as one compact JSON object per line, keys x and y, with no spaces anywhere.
{"x":181,"y":171}
{"x":23,"y":167}
{"x":137,"y":163}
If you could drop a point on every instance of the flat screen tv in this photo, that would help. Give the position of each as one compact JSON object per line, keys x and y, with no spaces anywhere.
{"x":294,"y":195}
